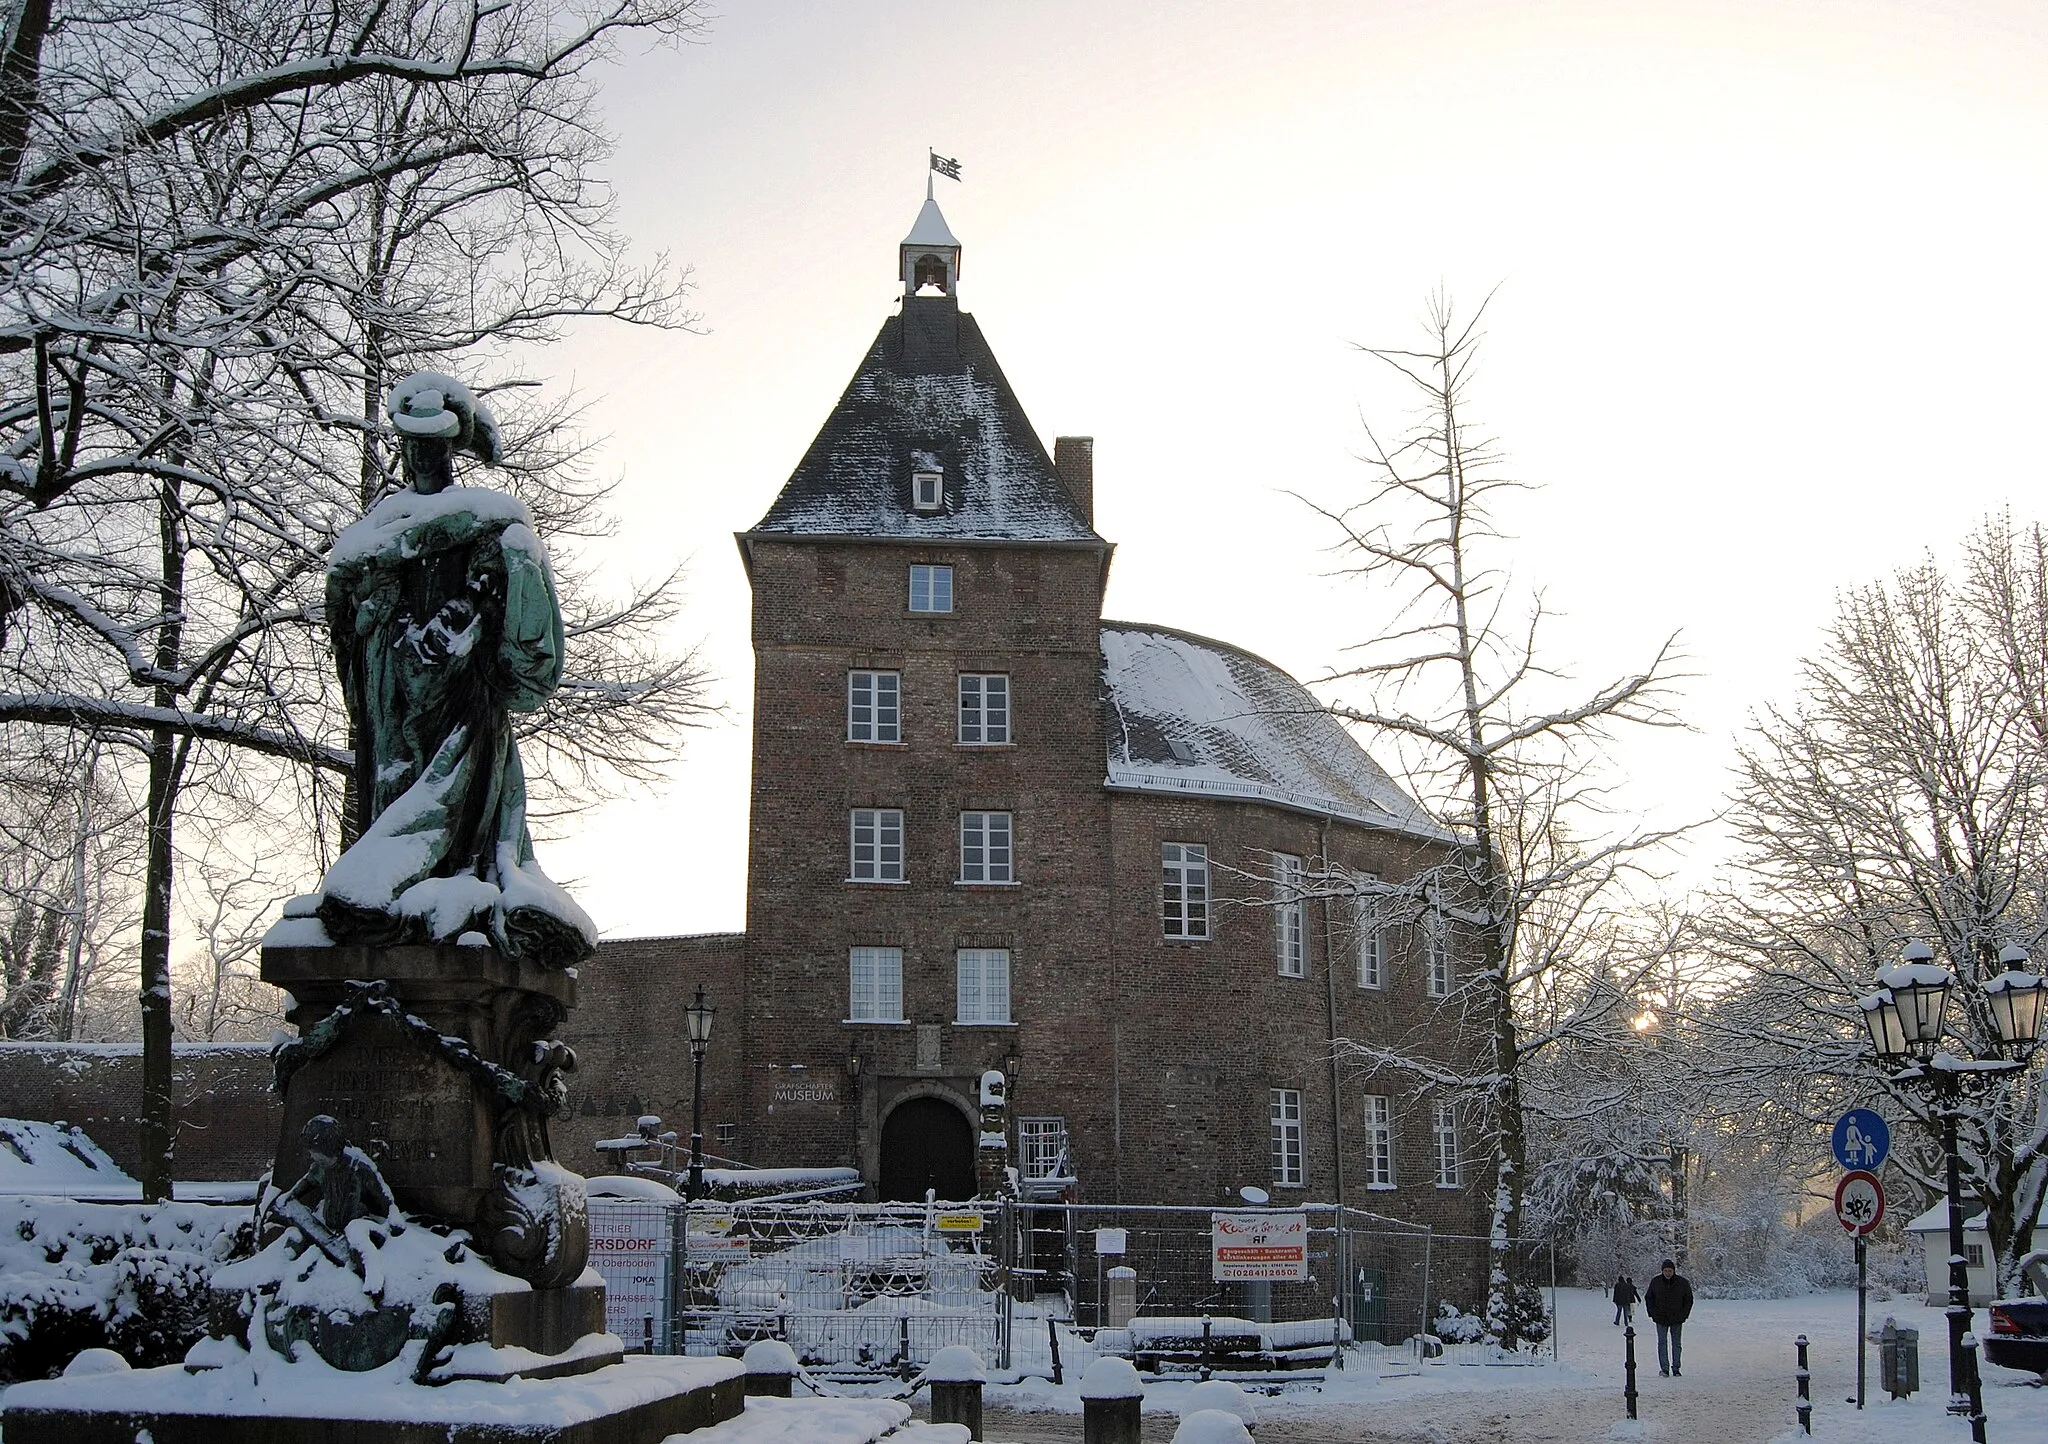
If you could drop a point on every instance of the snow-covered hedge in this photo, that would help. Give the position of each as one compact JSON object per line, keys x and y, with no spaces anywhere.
{"x":128,"y":1277}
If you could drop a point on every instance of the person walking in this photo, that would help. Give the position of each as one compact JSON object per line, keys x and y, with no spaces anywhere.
{"x":1668,"y":1301}
{"x":1624,"y":1300}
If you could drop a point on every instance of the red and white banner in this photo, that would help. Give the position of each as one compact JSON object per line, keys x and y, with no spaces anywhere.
{"x":1259,"y":1247}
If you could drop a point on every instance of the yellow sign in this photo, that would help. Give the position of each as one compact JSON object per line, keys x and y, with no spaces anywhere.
{"x":958,"y":1223}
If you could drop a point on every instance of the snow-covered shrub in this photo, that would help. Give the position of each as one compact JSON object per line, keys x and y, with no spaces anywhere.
{"x":129,"y":1277}
{"x":1524,"y":1313}
{"x":1455,"y":1326}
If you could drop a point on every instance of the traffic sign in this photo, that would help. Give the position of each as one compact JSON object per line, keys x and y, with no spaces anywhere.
{"x":1862,"y":1140}
{"x":1859,"y":1201}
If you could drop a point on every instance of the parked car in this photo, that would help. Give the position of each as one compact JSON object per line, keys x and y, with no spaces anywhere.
{"x":2018,"y":1338}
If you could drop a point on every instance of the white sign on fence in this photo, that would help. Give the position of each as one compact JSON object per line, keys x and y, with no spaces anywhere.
{"x":629,"y":1249}
{"x":1259,"y":1247}
{"x":1112,"y":1242}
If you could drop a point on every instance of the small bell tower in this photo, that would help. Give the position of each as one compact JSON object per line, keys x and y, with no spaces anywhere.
{"x":929,"y":258}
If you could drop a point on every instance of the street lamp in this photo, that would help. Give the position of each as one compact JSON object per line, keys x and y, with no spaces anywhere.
{"x":698,"y":1017}
{"x":1905,"y":1018}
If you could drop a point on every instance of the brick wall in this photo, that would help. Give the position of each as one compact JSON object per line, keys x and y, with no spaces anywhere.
{"x":820,"y":610}
{"x":632,"y":1048}
{"x":227,"y":1115}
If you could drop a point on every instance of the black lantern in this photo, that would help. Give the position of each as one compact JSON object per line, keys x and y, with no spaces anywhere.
{"x":1919,"y":989}
{"x":2015,"y":998}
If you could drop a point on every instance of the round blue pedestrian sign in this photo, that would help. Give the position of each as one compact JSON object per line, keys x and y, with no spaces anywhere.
{"x":1862,"y":1139}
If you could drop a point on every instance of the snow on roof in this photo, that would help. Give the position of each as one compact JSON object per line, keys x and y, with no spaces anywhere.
{"x":928,"y":394}
{"x":1935,"y":1220}
{"x":1188,"y":715}
{"x":930,"y":228}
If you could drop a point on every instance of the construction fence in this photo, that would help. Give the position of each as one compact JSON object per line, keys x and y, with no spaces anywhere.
{"x":876,"y":1289}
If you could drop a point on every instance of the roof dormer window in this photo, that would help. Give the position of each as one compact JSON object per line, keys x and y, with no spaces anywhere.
{"x":927,"y":482}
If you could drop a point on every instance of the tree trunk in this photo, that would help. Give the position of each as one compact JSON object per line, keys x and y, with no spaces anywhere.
{"x":159,"y":1107}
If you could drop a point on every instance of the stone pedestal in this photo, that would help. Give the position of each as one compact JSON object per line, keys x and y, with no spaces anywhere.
{"x":432,"y":1124}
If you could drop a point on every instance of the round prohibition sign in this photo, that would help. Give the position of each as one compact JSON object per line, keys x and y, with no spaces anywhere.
{"x":1859,"y":1201}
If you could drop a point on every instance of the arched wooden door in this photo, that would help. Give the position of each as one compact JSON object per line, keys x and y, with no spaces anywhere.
{"x":926,"y":1144}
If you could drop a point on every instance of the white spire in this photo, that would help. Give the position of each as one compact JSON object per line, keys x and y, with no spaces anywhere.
{"x":931,"y":228}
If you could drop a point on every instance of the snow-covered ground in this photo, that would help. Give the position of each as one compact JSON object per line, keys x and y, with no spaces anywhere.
{"x":1737,"y":1388}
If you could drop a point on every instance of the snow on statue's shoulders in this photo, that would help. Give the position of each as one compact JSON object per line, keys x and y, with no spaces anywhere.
{"x":387,"y":525}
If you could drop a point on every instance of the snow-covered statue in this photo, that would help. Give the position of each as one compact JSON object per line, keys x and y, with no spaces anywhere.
{"x":445,"y":624}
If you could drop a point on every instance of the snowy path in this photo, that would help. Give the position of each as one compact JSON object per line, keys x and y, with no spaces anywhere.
{"x":1737,"y":1389}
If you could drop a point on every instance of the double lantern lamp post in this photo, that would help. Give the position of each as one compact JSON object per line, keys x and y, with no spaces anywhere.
{"x":698,"y":1018}
{"x":1906,"y":1017}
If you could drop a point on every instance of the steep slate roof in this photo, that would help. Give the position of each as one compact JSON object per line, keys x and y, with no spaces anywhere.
{"x":1186,"y":715}
{"x":929,"y":385}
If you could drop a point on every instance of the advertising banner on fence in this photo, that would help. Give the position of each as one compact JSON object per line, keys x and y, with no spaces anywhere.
{"x":629,"y":1245}
{"x":1259,"y":1247}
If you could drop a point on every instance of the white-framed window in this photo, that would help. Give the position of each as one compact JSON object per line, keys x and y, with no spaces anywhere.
{"x":877,"y":845}
{"x":984,"y":709}
{"x":1973,"y":1255}
{"x":1290,"y":933}
{"x":1042,"y":1148}
{"x":931,"y":589}
{"x":1184,"y":890}
{"x":984,"y":985}
{"x":1379,"y":1141}
{"x":927,"y":490}
{"x":1370,"y":935}
{"x":874,"y":991}
{"x":1287,"y":1138}
{"x":1436,"y":946}
{"x":1450,"y":1172}
{"x":985,"y":851}
{"x":874,"y":707}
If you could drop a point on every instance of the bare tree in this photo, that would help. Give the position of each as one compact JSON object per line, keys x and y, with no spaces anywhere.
{"x":1503,"y":754}
{"x":69,"y":877}
{"x":223,"y":229}
{"x":1903,"y":795}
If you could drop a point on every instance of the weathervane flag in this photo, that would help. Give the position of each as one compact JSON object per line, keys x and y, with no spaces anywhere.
{"x":950,"y":169}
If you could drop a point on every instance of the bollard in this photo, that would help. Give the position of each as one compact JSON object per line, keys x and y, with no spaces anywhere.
{"x":771,"y":1367}
{"x":1336,"y":1332}
{"x":1805,"y":1378}
{"x":956,"y":1375}
{"x":647,"y":1333}
{"x":1052,"y":1334}
{"x":1224,"y":1395}
{"x":1973,"y":1384}
{"x":1111,"y":1400}
{"x":1207,"y":1326}
{"x":903,"y":1364}
{"x":1628,"y":1392}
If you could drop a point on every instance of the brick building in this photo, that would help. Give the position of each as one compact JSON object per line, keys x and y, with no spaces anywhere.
{"x":993,"y":832}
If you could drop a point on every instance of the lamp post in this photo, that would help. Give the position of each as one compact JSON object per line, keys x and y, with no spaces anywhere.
{"x":698,"y":1016}
{"x":1905,"y":1018}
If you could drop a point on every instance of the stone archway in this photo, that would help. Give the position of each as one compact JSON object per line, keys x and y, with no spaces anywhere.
{"x":927,"y":1144}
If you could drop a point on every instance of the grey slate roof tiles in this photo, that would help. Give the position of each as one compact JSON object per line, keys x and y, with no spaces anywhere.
{"x":928,"y":385}
{"x":1184,"y":714}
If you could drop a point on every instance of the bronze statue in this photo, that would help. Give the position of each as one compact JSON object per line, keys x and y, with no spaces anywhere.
{"x":445,"y":625}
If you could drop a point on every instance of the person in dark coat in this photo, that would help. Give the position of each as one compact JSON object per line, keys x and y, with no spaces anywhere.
{"x":1625,"y":1297}
{"x":1668,"y":1301}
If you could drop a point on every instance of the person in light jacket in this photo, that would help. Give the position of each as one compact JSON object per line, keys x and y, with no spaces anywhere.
{"x":1669,"y":1304}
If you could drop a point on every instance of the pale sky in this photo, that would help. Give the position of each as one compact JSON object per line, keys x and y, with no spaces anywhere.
{"x":1770,"y":295}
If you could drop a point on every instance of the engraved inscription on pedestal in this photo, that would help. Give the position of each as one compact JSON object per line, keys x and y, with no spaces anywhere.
{"x":418,"y":1117}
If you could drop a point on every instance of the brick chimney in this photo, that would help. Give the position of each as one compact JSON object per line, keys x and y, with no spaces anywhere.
{"x":1073,"y":457}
